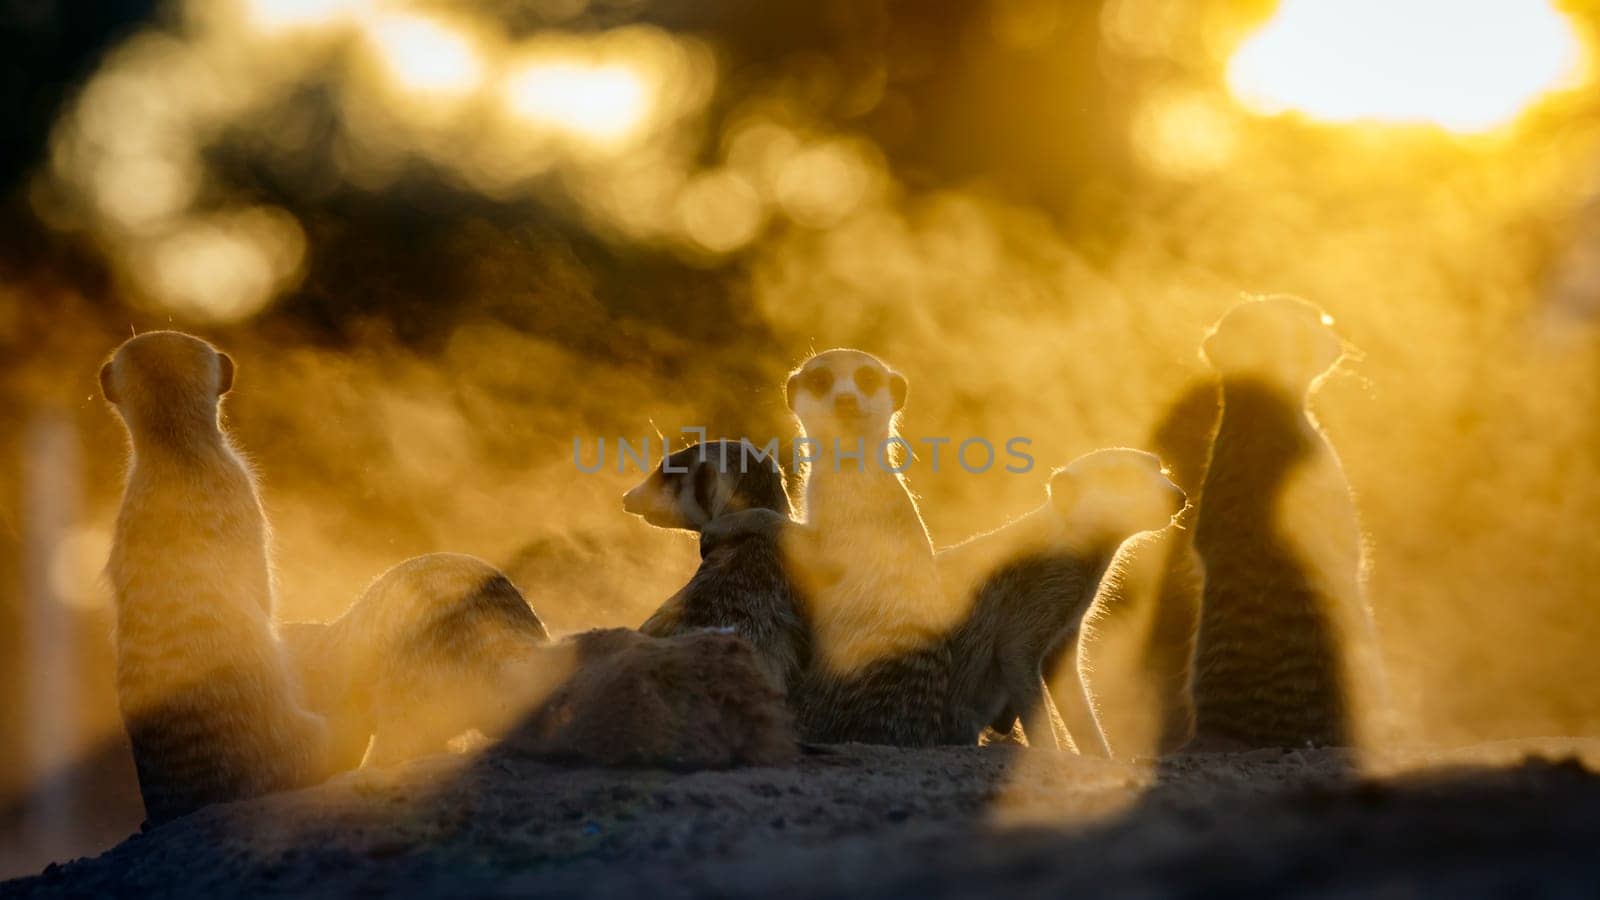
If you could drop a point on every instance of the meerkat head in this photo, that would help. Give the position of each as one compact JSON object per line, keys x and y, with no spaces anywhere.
{"x":1115,"y":494}
{"x":845,"y":394}
{"x":166,"y":376}
{"x":701,"y":482}
{"x":1283,"y":339}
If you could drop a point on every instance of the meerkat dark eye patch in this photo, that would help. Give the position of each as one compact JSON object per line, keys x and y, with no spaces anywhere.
{"x":818,"y":381}
{"x":868,"y":380}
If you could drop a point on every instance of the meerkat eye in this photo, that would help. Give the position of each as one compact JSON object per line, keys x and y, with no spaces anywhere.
{"x":868,"y":379}
{"x":818,"y":381}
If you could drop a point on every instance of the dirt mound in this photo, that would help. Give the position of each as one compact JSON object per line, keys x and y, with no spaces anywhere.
{"x":883,"y":822}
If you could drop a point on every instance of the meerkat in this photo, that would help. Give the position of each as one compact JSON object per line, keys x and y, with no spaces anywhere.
{"x":880,"y":664}
{"x":211,"y":707}
{"x":1285,"y":648}
{"x":1138,"y":640}
{"x":1030,"y":584}
{"x":696,"y":700}
{"x":438,"y":646}
{"x":742,"y":583}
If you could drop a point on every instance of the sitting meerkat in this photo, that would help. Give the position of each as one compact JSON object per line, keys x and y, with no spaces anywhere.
{"x":880,"y":665}
{"x":1030,"y":584}
{"x":1139,"y":638}
{"x":697,"y":700}
{"x":211,"y":706}
{"x":437,"y":646}
{"x":219,"y":701}
{"x":742,"y":583}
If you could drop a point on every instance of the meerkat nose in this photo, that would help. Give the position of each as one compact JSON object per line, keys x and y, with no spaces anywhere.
{"x":846,"y":404}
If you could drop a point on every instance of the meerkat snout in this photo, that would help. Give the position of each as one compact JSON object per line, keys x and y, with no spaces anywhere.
{"x":641,"y":499}
{"x":665,"y":500}
{"x":695,"y":485}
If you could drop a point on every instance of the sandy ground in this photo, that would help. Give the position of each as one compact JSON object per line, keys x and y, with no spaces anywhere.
{"x":1518,"y":818}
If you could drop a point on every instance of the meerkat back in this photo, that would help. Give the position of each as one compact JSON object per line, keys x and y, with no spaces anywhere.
{"x":206,"y":694}
{"x":446,"y":645}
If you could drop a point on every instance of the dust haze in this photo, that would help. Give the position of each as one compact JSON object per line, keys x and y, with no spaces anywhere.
{"x":434,"y":278}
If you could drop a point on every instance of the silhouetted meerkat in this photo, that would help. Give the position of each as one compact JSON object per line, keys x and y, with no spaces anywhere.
{"x":1032,"y":581}
{"x":437,"y":646}
{"x":1285,"y":638}
{"x":742,"y":582}
{"x":208,"y":699}
{"x":880,"y":666}
{"x":1139,"y":637}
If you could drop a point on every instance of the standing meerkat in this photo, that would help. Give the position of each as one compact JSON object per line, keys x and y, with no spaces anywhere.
{"x":880,"y":666}
{"x":742,"y":582}
{"x":1030,"y":584}
{"x":1285,"y":647}
{"x":211,"y":708}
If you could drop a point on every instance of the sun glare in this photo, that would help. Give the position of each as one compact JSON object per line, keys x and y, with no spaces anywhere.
{"x":426,"y":55}
{"x":286,"y":15}
{"x":1468,"y":67}
{"x":603,"y":103}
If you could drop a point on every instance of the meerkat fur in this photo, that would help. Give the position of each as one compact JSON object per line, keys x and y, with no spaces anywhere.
{"x":742,"y":583}
{"x":438,"y":646}
{"x":211,"y":707}
{"x":880,"y":664}
{"x":1029,"y":585}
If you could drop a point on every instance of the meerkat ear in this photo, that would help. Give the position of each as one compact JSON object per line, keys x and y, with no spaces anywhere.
{"x":790,"y":389}
{"x":224,"y":373}
{"x":898,"y":387}
{"x":107,"y":386}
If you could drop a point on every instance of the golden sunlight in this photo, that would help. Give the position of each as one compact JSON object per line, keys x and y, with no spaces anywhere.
{"x":226,"y":266}
{"x":1184,"y":133}
{"x":426,"y":55}
{"x":285,"y":15}
{"x":600,"y":103}
{"x":1468,"y":67}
